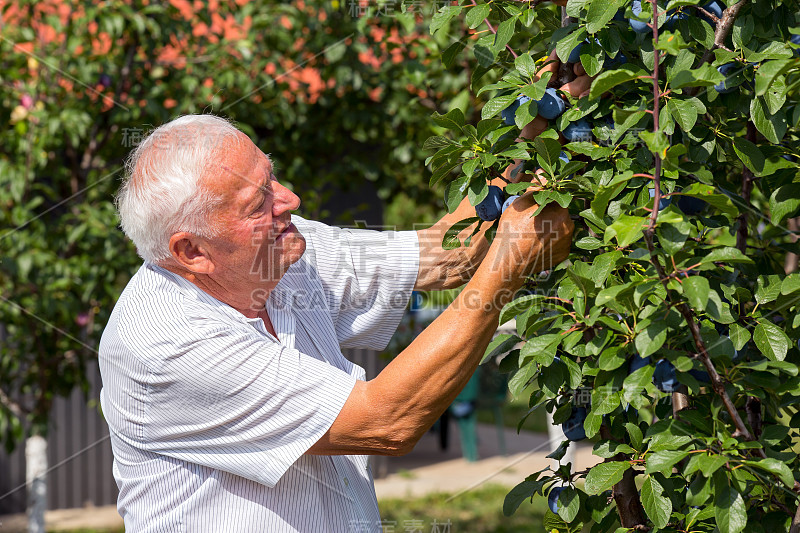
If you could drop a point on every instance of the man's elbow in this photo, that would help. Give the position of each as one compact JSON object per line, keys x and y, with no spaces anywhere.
{"x":399,"y":443}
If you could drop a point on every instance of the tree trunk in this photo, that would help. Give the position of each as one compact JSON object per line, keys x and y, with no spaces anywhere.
{"x":36,"y":480}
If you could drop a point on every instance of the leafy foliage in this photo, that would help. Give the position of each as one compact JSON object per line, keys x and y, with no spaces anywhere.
{"x":702,"y":280}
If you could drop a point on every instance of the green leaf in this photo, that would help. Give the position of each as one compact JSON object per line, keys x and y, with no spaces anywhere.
{"x":436,"y":142}
{"x":454,"y":192}
{"x":504,"y":33}
{"x":451,"y":235}
{"x":568,"y":43}
{"x":750,"y":155}
{"x":772,"y":126}
{"x":626,"y":229}
{"x":739,"y":336}
{"x":600,"y":13}
{"x":708,"y":464}
{"x":776,"y":467}
{"x":771,"y":340}
{"x":708,"y":194}
{"x":442,"y":18}
{"x":635,"y":435}
{"x":611,"y":78}
{"x":727,"y":254}
{"x":592,"y":57}
{"x":685,"y":113}
{"x":559,"y":452}
{"x":525,"y":65}
{"x":501,"y":344}
{"x":522,"y":492}
{"x":768,"y":288}
{"x":729,"y":509}
{"x":541,"y":348}
{"x":605,"y":475}
{"x":609,"y":448}
{"x":477,"y":14}
{"x":696,"y":288}
{"x":496,"y":104}
{"x":790,"y":284}
{"x":672,"y":236}
{"x":657,"y":506}
{"x":519,"y":305}
{"x":548,"y":150}
{"x":451,"y":53}
{"x":768,"y":71}
{"x":784,"y":202}
{"x":651,"y":338}
{"x":520,"y":379}
{"x":452,"y":120}
{"x":569,"y":504}
{"x":663,"y":461}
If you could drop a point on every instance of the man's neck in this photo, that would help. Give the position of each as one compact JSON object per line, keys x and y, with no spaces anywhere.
{"x":251,"y":305}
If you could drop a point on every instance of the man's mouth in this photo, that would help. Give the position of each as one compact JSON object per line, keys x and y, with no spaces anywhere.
{"x":285,"y":231}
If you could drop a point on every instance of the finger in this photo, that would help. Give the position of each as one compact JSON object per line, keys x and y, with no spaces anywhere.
{"x":578,"y":86}
{"x":578,"y":69}
{"x":534,"y":128}
{"x":551,"y":65}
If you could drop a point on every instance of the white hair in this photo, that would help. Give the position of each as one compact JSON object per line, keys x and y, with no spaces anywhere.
{"x":163,"y":192}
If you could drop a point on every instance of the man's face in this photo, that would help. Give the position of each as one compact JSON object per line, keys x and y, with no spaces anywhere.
{"x":257,"y":242}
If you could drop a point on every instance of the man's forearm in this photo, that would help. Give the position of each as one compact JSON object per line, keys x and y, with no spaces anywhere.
{"x":449,"y":349}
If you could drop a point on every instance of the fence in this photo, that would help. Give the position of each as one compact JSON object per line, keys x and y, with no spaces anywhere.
{"x":79,"y":451}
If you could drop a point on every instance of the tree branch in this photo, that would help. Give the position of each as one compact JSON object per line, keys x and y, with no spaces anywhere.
{"x":15,"y":408}
{"x":724,"y":27}
{"x":491,"y":28}
{"x":796,"y":522}
{"x":753,"y":405}
{"x":625,"y":493}
{"x":716,"y":381}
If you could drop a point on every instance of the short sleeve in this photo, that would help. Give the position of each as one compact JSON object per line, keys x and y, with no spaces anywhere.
{"x":367,"y":277}
{"x":235,"y":401}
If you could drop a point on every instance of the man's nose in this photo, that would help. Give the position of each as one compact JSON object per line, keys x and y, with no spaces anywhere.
{"x":285,"y":200}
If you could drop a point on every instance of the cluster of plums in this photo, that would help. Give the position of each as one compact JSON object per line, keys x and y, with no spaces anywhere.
{"x":496,"y":203}
{"x":715,"y":8}
{"x":550,"y":106}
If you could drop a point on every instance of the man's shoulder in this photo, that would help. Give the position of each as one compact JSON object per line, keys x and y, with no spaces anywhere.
{"x":158,"y":311}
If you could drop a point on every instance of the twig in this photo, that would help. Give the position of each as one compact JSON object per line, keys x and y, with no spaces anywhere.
{"x":491,"y":28}
{"x":11,"y":405}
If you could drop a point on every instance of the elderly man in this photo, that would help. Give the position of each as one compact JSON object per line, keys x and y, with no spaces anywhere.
{"x":230,"y":405}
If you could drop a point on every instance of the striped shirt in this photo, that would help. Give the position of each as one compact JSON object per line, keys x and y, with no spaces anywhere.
{"x":211,"y":416}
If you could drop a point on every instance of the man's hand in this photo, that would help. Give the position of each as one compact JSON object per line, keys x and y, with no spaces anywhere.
{"x":524,"y":245}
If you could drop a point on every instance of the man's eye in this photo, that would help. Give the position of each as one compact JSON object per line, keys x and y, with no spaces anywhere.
{"x":260,"y":209}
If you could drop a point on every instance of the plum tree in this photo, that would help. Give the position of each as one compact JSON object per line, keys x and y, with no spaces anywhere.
{"x":698,"y":296}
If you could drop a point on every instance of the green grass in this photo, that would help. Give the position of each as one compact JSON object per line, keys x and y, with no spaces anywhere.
{"x":476,"y":511}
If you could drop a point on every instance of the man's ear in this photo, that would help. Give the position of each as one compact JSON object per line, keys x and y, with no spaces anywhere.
{"x":191,"y":253}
